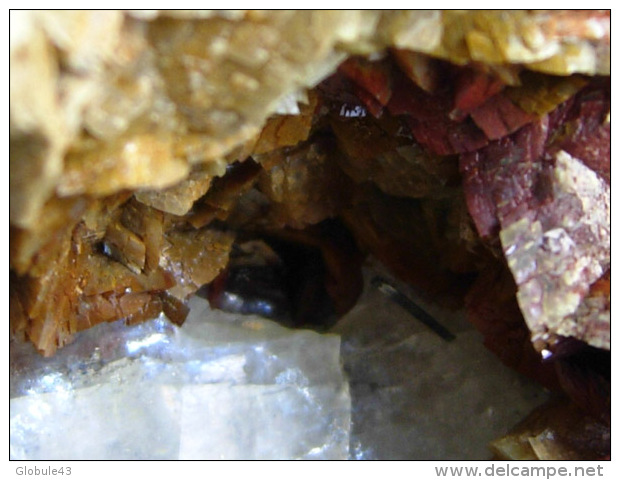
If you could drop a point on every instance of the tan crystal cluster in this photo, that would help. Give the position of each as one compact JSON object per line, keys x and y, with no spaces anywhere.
{"x":122,"y":123}
{"x":108,"y":101}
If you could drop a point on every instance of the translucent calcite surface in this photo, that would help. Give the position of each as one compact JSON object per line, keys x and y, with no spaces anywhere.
{"x":222,"y":387}
{"x":381,"y":386}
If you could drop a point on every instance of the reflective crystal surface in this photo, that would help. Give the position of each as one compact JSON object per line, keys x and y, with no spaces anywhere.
{"x":226,"y":386}
{"x":221,"y":387}
{"x":415,"y":396}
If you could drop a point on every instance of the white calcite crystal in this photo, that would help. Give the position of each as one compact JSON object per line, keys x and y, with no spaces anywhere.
{"x":221,"y":387}
{"x":381,"y":385}
{"x":415,"y":396}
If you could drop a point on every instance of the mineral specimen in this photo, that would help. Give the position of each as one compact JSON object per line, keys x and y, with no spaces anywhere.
{"x":455,"y":146}
{"x":218,"y":388}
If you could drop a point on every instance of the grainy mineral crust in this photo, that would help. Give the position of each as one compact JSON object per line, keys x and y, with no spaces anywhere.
{"x":558,"y":254}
